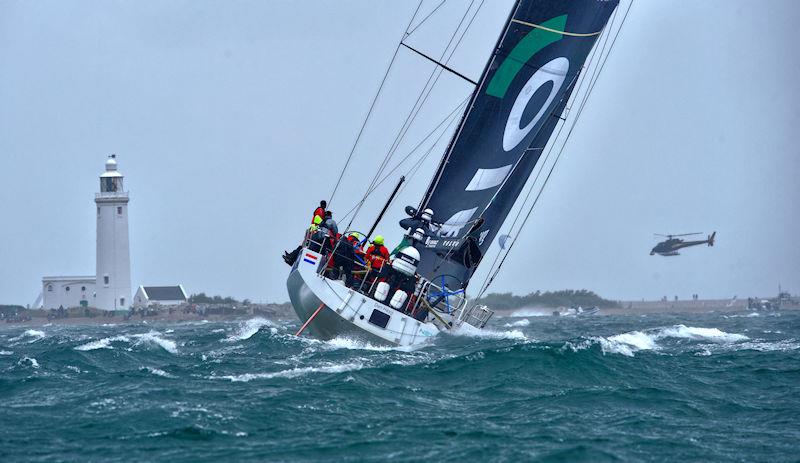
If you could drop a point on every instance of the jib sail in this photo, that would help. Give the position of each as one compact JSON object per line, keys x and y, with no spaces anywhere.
{"x":511,"y":116}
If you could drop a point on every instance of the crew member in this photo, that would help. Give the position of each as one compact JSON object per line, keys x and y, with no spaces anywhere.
{"x":330,"y":225}
{"x":423,"y":221}
{"x":316,"y":239}
{"x":418,"y":229}
{"x":355,"y":238}
{"x":377,"y":253}
{"x":320,"y":211}
{"x":344,"y":255}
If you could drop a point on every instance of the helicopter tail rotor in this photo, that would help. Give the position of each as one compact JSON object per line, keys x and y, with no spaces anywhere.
{"x":711,"y":239}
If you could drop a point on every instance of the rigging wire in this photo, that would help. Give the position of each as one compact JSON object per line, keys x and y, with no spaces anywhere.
{"x":372,"y":105}
{"x":455,"y":111}
{"x":421,"y":99}
{"x":592,"y":81}
{"x":425,"y":18}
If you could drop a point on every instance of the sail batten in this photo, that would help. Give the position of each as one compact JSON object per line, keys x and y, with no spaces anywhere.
{"x":511,"y":117}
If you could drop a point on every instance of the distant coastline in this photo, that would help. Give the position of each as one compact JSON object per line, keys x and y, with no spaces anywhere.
{"x":172,"y":314}
{"x":201,"y":307}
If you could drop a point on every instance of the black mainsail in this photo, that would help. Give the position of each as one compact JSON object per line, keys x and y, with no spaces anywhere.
{"x":512,"y":114}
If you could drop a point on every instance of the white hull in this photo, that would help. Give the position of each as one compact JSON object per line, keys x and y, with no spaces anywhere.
{"x":347,"y":312}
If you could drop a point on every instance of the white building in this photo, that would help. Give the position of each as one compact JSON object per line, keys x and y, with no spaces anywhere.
{"x":110,"y":288}
{"x":67,"y":291}
{"x":161,"y":295}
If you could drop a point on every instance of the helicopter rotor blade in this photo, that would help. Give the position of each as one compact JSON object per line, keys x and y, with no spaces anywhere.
{"x":682,"y":234}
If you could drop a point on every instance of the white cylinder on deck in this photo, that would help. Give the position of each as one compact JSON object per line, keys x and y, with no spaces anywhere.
{"x":398,"y":299}
{"x":381,"y":291}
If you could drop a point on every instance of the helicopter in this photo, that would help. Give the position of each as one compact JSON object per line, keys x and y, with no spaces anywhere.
{"x":670,"y":246}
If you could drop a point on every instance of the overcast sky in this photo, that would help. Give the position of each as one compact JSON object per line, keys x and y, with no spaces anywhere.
{"x":232,"y":119}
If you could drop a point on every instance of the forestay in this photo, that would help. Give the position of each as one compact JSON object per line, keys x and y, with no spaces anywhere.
{"x":512,"y":114}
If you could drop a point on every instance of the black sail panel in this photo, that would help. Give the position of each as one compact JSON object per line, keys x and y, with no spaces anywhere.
{"x":511,"y":117}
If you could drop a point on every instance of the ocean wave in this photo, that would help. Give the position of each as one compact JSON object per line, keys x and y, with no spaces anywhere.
{"x":104,"y":343}
{"x":471,"y":331}
{"x":249,"y":328}
{"x":153,"y":337}
{"x":628,"y":343}
{"x":6,"y":352}
{"x":531,"y":313}
{"x":786,"y":345}
{"x":523,"y":322}
{"x":633,"y":341}
{"x":294,"y":372}
{"x":700,"y":334}
{"x":157,"y":372}
{"x":31,"y":335}
{"x":355,"y":344}
{"x":28,"y":361}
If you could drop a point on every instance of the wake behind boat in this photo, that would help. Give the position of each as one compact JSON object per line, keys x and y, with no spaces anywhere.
{"x":511,"y":115}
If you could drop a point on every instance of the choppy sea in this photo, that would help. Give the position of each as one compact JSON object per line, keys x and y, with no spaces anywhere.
{"x":689,"y":387}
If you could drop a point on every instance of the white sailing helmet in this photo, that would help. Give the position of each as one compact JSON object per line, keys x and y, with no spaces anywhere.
{"x":406,"y":261}
{"x":427,"y":215}
{"x":419,"y":234}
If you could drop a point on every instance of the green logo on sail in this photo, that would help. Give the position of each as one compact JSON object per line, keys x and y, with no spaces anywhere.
{"x":534,"y":41}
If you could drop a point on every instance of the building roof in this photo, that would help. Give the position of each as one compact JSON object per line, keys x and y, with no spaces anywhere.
{"x":81,"y":278}
{"x":164,"y":293}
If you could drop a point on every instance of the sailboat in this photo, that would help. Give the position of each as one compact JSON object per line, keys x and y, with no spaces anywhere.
{"x":511,"y":115}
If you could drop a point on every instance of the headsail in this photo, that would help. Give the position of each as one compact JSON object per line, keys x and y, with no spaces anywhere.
{"x":512,"y":114}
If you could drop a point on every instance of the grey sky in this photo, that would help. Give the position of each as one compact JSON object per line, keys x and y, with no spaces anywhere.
{"x":232,"y":119}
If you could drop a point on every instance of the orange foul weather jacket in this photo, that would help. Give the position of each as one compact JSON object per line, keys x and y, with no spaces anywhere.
{"x":377,"y":255}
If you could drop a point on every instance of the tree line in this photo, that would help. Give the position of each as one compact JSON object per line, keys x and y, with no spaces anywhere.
{"x":201,"y":298}
{"x":550,"y":299}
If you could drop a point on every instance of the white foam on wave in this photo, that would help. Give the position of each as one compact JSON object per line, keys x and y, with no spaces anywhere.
{"x":28,"y":361}
{"x":104,"y":343}
{"x":471,"y":331}
{"x":154,"y":337}
{"x":32,"y":335}
{"x":531,"y":313}
{"x":629,"y":343}
{"x":295,"y":372}
{"x":151,"y":338}
{"x":6,"y":352}
{"x":700,"y":334}
{"x":158,"y":372}
{"x":249,"y":328}
{"x":354,"y":344}
{"x":523,"y":322}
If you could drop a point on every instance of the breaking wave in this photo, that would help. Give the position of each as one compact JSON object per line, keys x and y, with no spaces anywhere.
{"x":629,"y":343}
{"x":531,"y":313}
{"x":152,"y":338}
{"x":355,"y":344}
{"x":104,"y":343}
{"x":28,"y":361}
{"x":294,"y":372}
{"x":471,"y":331}
{"x":158,"y":372}
{"x":30,"y":336}
{"x":523,"y":322}
{"x":249,"y":328}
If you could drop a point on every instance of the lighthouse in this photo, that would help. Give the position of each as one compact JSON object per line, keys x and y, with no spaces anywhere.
{"x":113,"y":284}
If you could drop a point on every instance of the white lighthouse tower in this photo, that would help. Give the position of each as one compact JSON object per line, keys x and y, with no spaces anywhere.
{"x":113,"y":285}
